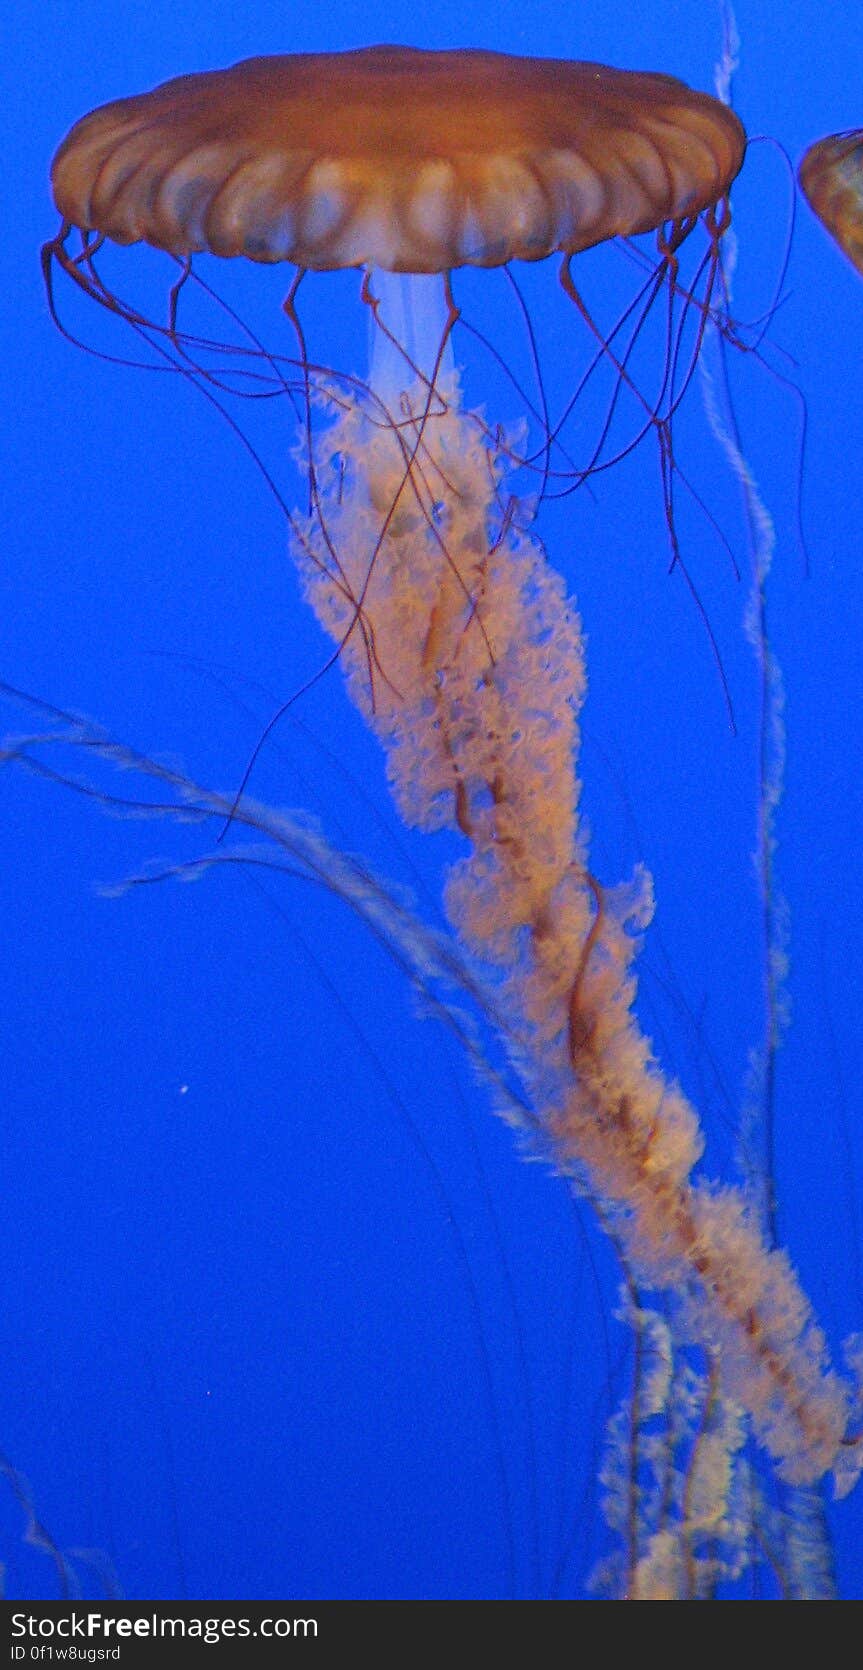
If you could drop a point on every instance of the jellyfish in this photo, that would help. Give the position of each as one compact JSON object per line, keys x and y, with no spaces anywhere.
{"x":456,"y":636}
{"x":831,"y":178}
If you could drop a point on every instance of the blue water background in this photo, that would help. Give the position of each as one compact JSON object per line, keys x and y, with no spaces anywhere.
{"x":283,"y":1313}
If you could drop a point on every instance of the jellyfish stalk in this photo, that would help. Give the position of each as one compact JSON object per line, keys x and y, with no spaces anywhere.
{"x":465,"y":655}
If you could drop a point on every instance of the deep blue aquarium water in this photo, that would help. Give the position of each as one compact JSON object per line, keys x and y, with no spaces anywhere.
{"x":285,"y":1313}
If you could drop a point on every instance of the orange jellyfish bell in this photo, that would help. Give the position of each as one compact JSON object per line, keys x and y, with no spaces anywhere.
{"x":396,"y":158}
{"x":831,"y":178}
